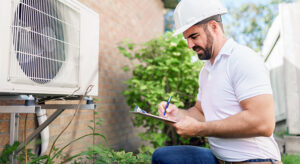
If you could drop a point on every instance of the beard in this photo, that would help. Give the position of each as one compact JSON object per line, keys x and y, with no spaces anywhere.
{"x":207,"y":51}
{"x":205,"y":55}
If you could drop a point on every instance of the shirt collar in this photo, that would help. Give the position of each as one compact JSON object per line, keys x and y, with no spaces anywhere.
{"x":225,"y":50}
{"x":227,"y":47}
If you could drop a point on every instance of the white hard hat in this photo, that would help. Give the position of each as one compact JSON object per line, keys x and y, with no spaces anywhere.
{"x":190,"y":12}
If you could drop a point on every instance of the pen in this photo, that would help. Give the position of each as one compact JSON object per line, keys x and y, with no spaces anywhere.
{"x":167,"y":105}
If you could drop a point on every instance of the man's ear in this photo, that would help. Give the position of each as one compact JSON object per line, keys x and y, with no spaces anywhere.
{"x":213,"y":26}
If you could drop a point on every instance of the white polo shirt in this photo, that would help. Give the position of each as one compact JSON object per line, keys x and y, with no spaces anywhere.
{"x":238,"y":73}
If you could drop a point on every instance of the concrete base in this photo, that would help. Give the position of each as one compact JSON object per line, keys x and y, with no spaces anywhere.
{"x":292,"y":144}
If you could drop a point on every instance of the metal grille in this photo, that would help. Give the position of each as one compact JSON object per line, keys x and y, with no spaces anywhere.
{"x":45,"y":43}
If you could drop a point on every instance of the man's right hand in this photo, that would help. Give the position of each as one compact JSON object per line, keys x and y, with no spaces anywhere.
{"x":172,"y":111}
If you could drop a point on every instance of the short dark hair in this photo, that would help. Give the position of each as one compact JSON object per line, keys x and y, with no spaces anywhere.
{"x":216,"y":18}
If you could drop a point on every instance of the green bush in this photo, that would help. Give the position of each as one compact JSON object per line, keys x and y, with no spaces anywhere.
{"x":101,"y":154}
{"x":166,"y":68}
{"x":96,"y":153}
{"x":291,"y":159}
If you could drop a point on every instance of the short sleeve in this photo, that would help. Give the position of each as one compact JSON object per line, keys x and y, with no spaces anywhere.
{"x":199,"y":95}
{"x":199,"y":89}
{"x":249,"y":75}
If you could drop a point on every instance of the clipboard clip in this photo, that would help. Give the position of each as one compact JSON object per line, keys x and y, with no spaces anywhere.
{"x":138,"y":109}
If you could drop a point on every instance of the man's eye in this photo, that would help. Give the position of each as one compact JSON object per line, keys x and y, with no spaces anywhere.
{"x":194,"y":37}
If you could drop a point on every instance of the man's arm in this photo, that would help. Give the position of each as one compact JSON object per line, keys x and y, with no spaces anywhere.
{"x":196,"y":112}
{"x":256,"y":119}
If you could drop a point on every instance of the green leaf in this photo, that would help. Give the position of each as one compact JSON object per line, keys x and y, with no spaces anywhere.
{"x":126,"y":68}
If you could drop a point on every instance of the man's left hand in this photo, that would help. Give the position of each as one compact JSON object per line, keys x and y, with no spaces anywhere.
{"x":188,"y":127}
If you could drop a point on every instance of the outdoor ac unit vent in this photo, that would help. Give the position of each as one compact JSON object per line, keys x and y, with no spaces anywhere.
{"x":39,"y":42}
{"x":48,"y":47}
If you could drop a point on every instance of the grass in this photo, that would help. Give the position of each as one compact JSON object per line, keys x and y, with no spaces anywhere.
{"x":291,"y":159}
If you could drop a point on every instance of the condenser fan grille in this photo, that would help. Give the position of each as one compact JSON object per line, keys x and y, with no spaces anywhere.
{"x":45,"y":40}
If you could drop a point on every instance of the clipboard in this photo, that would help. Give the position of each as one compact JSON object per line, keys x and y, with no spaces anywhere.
{"x":154,"y":116}
{"x":141,"y":112}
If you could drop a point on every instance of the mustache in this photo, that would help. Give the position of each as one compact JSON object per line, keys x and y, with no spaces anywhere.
{"x":197,"y":48}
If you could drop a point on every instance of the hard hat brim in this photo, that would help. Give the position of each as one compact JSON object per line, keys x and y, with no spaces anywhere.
{"x":182,"y":29}
{"x":185,"y":27}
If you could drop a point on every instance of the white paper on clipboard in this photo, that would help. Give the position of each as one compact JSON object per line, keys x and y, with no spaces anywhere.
{"x":140,"y":111}
{"x":154,"y":116}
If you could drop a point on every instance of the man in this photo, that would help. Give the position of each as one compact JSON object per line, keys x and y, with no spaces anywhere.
{"x":234,"y":106}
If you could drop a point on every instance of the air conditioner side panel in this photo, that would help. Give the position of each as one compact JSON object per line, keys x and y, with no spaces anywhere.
{"x":89,"y":51}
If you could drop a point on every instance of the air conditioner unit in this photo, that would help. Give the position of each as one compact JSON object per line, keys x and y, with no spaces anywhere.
{"x":48,"y":47}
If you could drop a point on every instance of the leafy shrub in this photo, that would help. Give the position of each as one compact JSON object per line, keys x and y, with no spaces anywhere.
{"x":291,"y":159}
{"x":95,"y":153}
{"x":101,"y":154}
{"x":166,"y":68}
{"x":7,"y":151}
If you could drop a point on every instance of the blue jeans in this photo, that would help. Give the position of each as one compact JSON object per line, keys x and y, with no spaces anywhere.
{"x":183,"y":155}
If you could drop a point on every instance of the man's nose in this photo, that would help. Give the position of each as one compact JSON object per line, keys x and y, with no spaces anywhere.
{"x":190,"y":43}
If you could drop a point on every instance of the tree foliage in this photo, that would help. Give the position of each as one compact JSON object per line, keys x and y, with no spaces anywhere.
{"x":250,"y":22}
{"x":166,"y":68}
